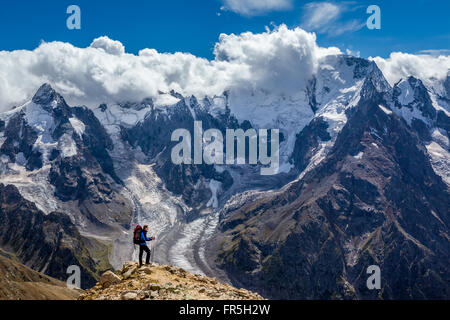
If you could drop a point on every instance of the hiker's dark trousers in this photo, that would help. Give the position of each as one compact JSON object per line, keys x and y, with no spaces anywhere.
{"x":143,"y":248}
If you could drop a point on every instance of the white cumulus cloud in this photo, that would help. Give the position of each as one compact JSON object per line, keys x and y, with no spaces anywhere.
{"x":425,"y":67}
{"x":282,"y":60}
{"x":276,"y":60}
{"x":279,"y":60}
{"x":110,"y":46}
{"x":256,"y":7}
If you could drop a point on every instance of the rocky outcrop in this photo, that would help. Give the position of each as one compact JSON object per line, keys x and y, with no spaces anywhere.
{"x":162,"y":282}
{"x":109,"y":278}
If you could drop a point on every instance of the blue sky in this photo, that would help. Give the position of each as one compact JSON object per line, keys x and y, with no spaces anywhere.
{"x":194,"y":26}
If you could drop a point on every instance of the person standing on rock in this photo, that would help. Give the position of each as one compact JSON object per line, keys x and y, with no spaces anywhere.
{"x":143,"y":246}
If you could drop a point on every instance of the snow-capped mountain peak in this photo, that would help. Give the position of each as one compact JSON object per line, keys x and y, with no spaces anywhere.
{"x":413,"y":100}
{"x":46,"y":95}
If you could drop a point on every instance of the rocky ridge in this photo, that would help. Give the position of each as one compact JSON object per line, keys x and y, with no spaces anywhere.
{"x":162,"y":282}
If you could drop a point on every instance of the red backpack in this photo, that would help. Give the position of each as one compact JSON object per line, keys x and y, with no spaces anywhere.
{"x":137,"y":235}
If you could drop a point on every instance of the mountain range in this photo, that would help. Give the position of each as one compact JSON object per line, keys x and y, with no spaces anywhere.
{"x":364,"y":180}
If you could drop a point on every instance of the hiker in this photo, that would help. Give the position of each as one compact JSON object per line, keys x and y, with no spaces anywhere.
{"x":143,"y":243}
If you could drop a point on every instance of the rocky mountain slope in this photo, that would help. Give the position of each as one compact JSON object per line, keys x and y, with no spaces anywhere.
{"x":18,"y":282}
{"x":367,"y":203}
{"x":379,"y":196}
{"x":48,"y":243}
{"x":364,"y":178}
{"x":160,"y":282}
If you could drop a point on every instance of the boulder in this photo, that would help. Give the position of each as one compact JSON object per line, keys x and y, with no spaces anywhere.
{"x":129,"y":295}
{"x":128,"y":274}
{"x":109,"y":278}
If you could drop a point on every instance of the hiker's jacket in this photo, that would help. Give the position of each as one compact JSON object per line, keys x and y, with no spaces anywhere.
{"x":144,"y":238}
